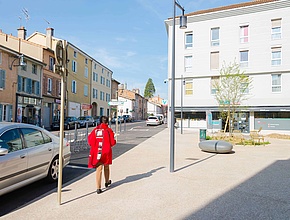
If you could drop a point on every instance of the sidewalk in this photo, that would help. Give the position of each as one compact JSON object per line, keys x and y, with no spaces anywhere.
{"x":251,"y":183}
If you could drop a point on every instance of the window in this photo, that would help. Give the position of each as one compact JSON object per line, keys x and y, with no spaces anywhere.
{"x":215,"y":36}
{"x":86,"y":90}
{"x":102,"y":70}
{"x":11,"y":140}
{"x":59,"y":88}
{"x":107,"y":97}
{"x":75,"y":54}
{"x":188,"y":63}
{"x":188,"y":88}
{"x":102,"y":80}
{"x":276,"y":29}
{"x":35,"y":87}
{"x":214,"y":81}
{"x":0,"y":57}
{"x":49,"y":85}
{"x":74,"y":66}
{"x":5,"y":112}
{"x":32,"y":137}
{"x":51,"y":63}
{"x":86,"y":61}
{"x":95,"y":93}
{"x":276,"y":83}
{"x":214,"y":60}
{"x":95,"y":66}
{"x":86,"y":72}
{"x":244,"y":34}
{"x":108,"y":83}
{"x":74,"y":86}
{"x":276,"y":56}
{"x":244,"y":58}
{"x":24,"y":68}
{"x":95,"y":77}
{"x":102,"y":96}
{"x":2,"y":79}
{"x":188,"y":40}
{"x":34,"y":69}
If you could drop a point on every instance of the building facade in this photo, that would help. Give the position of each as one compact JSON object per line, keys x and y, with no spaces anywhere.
{"x":254,"y":34}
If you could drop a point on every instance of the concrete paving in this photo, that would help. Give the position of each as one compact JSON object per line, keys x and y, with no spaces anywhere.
{"x":249,"y":183}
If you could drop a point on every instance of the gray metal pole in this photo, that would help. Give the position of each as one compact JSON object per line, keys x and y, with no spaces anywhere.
{"x":172,"y":98}
{"x":181,"y":104}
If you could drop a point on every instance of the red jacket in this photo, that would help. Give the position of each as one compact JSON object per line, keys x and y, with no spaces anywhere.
{"x":107,"y":144}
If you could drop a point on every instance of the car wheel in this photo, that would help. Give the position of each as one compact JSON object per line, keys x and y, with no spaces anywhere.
{"x":52,"y":175}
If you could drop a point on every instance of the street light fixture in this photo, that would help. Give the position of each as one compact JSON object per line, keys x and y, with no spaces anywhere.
{"x":183,"y":25}
{"x":21,"y":61}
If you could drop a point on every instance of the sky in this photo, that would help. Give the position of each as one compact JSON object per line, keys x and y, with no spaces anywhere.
{"x":127,"y":36}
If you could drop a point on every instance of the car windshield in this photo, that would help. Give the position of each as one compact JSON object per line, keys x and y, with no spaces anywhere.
{"x":152,"y":118}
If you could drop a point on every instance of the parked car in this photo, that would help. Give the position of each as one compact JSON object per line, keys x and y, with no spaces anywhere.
{"x":28,"y":153}
{"x":113,"y":120}
{"x":161,"y":118}
{"x":83,"y":120}
{"x":69,"y":123}
{"x":152,"y":120}
{"x":127,"y":118}
{"x":97,"y":120}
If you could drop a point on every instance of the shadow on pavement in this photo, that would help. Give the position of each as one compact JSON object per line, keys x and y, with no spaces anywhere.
{"x":264,"y":196}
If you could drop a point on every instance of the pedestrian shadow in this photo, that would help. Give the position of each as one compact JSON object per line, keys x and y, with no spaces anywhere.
{"x":136,"y":177}
{"x":128,"y":179}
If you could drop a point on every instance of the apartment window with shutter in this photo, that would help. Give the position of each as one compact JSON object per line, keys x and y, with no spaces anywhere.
{"x":49,"y":85}
{"x":34,"y":69}
{"x":188,"y":88}
{"x":276,"y":28}
{"x":244,"y":34}
{"x":188,"y":40}
{"x":86,"y":72}
{"x":215,"y":36}
{"x":244,"y":58}
{"x":51,"y":63}
{"x":213,"y":84}
{"x":2,"y":79}
{"x":276,"y":83}
{"x":75,"y":54}
{"x":74,"y":66}
{"x":74,"y":86}
{"x":86,"y":90}
{"x":188,"y":63}
{"x":214,"y":60}
{"x":276,"y":56}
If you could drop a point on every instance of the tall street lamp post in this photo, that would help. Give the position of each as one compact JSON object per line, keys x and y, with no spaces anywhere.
{"x":183,"y":21}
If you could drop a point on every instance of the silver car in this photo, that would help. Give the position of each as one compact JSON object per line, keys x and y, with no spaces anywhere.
{"x":28,"y":153}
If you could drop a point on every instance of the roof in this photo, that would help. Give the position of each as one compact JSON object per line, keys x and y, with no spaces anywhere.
{"x":227,"y":7}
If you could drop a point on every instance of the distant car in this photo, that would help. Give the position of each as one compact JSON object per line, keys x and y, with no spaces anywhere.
{"x":97,"y":120}
{"x":152,"y":120}
{"x":127,"y":118}
{"x":28,"y":153}
{"x":69,"y":123}
{"x":161,"y":118}
{"x":83,"y":120}
{"x":121,"y":119}
{"x":113,"y":120}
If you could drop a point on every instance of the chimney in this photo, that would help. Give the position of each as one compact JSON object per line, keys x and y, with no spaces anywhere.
{"x":49,"y":35}
{"x":21,"y":33}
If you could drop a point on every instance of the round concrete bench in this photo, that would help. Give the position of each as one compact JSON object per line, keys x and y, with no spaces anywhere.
{"x":215,"y":146}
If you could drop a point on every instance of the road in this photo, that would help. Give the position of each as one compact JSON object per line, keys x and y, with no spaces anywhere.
{"x":129,"y":137}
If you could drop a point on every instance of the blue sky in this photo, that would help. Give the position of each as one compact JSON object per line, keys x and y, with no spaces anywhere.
{"x":127,"y":36}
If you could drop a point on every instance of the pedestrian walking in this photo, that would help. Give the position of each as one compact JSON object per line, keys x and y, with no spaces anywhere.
{"x":101,"y":140}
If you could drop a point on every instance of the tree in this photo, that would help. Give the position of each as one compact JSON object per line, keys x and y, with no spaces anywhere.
{"x":149,"y":89}
{"x":232,"y":89}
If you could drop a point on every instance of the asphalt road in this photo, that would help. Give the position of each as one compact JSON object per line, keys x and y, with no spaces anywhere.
{"x":130,"y":136}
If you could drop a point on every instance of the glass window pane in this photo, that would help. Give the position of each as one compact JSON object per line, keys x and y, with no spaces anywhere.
{"x":11,"y":140}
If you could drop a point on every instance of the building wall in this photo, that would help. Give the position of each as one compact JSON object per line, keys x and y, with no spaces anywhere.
{"x":258,"y":16}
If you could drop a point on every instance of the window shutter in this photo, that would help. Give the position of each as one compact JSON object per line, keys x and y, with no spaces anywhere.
{"x":214,"y":60}
{"x":19,"y":83}
{"x":10,"y":112}
{"x":28,"y":85}
{"x":37,"y":88}
{"x":2,"y":79}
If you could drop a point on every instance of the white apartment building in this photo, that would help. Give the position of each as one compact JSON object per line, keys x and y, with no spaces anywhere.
{"x":255,"y":34}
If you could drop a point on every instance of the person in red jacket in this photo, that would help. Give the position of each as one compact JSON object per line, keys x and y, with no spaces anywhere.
{"x":101,"y":140}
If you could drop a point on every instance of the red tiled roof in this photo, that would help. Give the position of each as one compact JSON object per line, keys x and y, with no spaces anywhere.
{"x":238,"y":5}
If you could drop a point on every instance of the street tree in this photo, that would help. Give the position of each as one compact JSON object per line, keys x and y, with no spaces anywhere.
{"x":231,"y":89}
{"x":149,"y":89}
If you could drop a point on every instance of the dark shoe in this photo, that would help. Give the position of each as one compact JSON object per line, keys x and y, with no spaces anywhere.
{"x":108,"y":184}
{"x":99,"y":191}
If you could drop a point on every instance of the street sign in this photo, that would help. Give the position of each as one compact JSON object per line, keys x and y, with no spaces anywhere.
{"x":116,"y":103}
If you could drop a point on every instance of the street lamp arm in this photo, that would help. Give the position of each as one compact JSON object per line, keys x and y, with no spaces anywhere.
{"x":21,"y":61}
{"x":179,"y":6}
